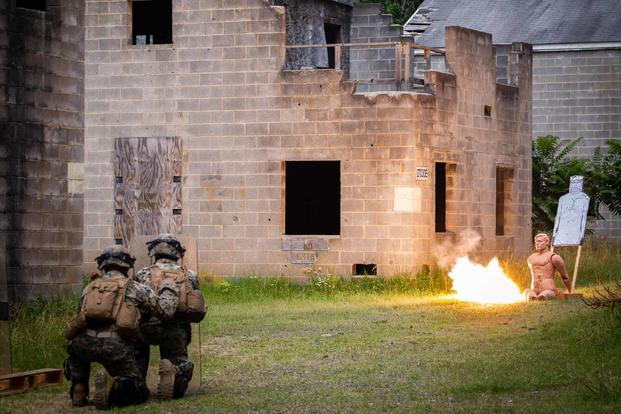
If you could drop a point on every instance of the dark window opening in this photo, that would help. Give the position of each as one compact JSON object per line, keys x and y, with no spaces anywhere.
{"x":4,"y":311}
{"x":333,"y":36}
{"x":440,"y":197}
{"x":151,"y":22}
{"x":313,"y":197}
{"x":502,"y":197}
{"x":361,"y":269}
{"x":487,"y":110}
{"x":31,"y":4}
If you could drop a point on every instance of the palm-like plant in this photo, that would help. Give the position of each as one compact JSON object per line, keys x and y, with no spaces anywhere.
{"x":605,"y":173}
{"x":551,"y":172}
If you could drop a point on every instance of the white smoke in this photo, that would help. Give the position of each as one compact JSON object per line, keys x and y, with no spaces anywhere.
{"x":447,"y":252}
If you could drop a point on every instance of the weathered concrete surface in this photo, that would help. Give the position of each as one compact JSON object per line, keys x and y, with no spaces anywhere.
{"x":220,"y":86}
{"x":305,"y":21}
{"x":41,"y":122}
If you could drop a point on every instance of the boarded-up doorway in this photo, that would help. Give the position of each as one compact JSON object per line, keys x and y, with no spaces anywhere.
{"x":147,"y":191}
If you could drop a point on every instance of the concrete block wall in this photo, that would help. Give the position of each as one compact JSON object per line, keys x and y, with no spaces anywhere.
{"x":369,"y":24}
{"x":41,"y":146}
{"x":478,"y":144}
{"x":221,"y":88}
{"x":578,"y":94}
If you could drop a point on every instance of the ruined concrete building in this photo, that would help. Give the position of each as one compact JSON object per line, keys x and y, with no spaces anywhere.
{"x":197,"y":120}
{"x":576,"y":63}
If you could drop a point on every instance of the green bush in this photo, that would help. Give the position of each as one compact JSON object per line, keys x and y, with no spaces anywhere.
{"x":551,"y":172}
{"x":605,"y":176}
{"x":552,"y":168}
{"x":401,"y":10}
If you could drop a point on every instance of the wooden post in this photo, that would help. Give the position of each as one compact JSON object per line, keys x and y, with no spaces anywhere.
{"x":427,"y":59}
{"x":407,"y":52}
{"x":398,"y":54}
{"x":337,"y":57}
{"x":427,"y":55}
{"x":573,"y":280}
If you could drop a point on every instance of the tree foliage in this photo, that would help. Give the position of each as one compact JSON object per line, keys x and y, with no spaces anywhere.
{"x":605,"y":172}
{"x":401,"y":10}
{"x":552,"y":169}
{"x":551,"y":172}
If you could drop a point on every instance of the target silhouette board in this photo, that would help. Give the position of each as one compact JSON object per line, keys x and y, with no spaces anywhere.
{"x":570,"y":224}
{"x":190,"y":261}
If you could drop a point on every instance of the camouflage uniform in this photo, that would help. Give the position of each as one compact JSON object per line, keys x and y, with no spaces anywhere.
{"x":101,"y":342}
{"x":173,"y":336}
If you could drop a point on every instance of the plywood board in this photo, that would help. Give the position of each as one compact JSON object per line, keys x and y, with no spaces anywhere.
{"x":147,"y":194}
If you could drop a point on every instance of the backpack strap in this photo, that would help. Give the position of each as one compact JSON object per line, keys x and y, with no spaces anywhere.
{"x":120,"y":297}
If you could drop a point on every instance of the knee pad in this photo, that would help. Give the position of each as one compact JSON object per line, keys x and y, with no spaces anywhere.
{"x":185,"y":369}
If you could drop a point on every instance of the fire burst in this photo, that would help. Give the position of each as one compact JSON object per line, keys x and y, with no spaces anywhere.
{"x":487,"y":285}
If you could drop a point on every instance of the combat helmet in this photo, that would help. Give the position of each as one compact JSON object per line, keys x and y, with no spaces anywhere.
{"x":166,"y":245}
{"x":115,"y":255}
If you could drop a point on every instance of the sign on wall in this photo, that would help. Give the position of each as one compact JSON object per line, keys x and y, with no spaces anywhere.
{"x":422,"y":173}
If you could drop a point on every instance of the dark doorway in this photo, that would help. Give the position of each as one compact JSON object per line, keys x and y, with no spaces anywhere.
{"x":313,"y":197}
{"x":440,"y":197}
{"x":333,"y":36}
{"x":151,"y":22}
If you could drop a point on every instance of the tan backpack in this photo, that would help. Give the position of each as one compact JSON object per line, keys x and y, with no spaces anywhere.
{"x":191,"y":301}
{"x":105,"y":301}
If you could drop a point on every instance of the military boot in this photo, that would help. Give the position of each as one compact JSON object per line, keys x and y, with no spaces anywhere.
{"x":78,"y":395}
{"x":103,"y":386}
{"x":166,"y":387}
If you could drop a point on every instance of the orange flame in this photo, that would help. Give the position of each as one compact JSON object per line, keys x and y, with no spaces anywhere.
{"x":473,"y":282}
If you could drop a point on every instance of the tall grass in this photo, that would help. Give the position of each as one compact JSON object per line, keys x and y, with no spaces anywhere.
{"x":326,"y":285}
{"x":37,"y":328}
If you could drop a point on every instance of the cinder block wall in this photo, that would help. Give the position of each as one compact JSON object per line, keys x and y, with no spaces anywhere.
{"x":41,"y":146}
{"x":220,"y":87}
{"x":370,"y":25}
{"x":575,"y":94}
{"x":578,"y":94}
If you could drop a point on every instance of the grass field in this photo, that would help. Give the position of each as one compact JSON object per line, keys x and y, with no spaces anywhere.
{"x":375,"y":346}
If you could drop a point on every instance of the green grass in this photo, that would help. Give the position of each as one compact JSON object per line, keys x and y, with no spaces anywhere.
{"x":376,"y":345}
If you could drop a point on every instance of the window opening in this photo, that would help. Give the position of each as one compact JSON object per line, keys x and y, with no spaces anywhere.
{"x":313,"y":197}
{"x":502,"y":199}
{"x":31,"y":4}
{"x":151,"y":22}
{"x":333,"y":36}
{"x":487,"y":110}
{"x":363,"y":269}
{"x":440,"y":197}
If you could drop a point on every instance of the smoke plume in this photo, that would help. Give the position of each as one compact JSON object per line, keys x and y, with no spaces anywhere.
{"x":447,"y":252}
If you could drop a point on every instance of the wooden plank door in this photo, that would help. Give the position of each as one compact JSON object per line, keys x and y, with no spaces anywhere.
{"x":147,"y":190}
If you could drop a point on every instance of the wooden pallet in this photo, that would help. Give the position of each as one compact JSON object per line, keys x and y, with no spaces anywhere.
{"x":19,"y":382}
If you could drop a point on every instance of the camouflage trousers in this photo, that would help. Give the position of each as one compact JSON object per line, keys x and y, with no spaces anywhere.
{"x":173,"y":338}
{"x":118,"y":358}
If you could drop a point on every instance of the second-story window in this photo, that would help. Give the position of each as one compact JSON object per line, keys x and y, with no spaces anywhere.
{"x":151,"y":22}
